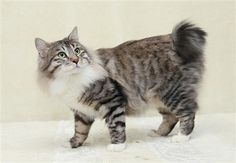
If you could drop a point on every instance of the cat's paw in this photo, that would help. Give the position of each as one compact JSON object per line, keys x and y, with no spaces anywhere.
{"x":116,"y":147}
{"x":74,"y":142}
{"x":180,"y":138}
{"x":153,"y":133}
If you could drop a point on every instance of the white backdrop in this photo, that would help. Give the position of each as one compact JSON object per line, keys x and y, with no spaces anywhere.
{"x":106,"y":24}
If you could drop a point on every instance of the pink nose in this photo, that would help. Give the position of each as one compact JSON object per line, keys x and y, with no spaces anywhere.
{"x":75,"y":60}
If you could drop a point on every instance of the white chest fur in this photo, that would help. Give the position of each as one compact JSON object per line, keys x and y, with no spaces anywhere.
{"x":69,"y":88}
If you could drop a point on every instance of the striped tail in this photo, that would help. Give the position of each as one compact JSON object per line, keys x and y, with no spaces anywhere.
{"x":189,"y":41}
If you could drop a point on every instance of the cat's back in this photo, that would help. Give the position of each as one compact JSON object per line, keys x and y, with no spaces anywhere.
{"x":141,"y":48}
{"x":149,"y":42}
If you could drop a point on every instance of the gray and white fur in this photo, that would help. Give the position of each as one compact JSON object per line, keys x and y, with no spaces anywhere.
{"x":110,"y":83}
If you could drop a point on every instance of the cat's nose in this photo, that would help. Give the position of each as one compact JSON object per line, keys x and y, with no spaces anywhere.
{"x":75,"y":60}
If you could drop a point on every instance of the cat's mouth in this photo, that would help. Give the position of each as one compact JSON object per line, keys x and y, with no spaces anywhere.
{"x":75,"y":66}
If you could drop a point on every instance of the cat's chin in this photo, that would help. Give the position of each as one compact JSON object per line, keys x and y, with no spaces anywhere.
{"x":69,"y":71}
{"x":73,"y":71}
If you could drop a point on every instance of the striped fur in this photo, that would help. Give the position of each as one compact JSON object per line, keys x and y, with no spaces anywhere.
{"x":79,"y":81}
{"x":165,"y":68}
{"x":161,"y":71}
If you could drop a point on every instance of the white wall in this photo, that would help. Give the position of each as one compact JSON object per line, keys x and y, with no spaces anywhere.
{"x":106,"y":24}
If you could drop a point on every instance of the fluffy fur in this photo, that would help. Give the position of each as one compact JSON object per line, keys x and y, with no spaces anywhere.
{"x":161,"y":71}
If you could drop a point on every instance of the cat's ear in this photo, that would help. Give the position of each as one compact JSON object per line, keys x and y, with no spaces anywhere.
{"x":41,"y":46}
{"x":74,"y":35}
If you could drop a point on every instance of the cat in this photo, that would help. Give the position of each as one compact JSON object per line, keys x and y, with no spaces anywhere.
{"x":110,"y":83}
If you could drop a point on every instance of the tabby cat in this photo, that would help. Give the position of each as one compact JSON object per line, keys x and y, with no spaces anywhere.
{"x":110,"y":83}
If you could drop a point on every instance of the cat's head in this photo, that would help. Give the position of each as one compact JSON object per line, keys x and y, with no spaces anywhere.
{"x":63,"y":57}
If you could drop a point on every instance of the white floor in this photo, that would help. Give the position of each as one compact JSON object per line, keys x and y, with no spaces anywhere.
{"x":213,"y":140}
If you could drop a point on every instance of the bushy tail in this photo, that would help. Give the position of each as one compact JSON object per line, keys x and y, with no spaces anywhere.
{"x":189,"y":41}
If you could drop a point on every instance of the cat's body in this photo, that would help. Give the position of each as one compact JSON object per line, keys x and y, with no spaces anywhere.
{"x":162,"y":71}
{"x":141,"y":67}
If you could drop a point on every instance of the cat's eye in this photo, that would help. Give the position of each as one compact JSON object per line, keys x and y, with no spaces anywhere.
{"x":77,"y":50}
{"x":62,"y":55}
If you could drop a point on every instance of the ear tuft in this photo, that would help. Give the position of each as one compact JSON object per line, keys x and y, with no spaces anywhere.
{"x":74,"y":34}
{"x":41,"y":45}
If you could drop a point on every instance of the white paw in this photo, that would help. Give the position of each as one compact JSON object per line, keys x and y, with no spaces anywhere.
{"x":116,"y":147}
{"x":153,"y":133}
{"x":180,"y":138}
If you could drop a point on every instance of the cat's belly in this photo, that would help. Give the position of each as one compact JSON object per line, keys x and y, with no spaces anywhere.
{"x":137,"y":106}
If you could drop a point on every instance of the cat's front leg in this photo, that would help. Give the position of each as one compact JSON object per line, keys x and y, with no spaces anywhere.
{"x":82,"y":127}
{"x":115,"y":119}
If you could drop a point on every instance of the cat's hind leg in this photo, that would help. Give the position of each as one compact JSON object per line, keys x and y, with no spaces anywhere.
{"x":169,"y":121}
{"x":185,"y":112}
{"x":186,"y":125}
{"x":82,"y":127}
{"x":181,"y":101}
